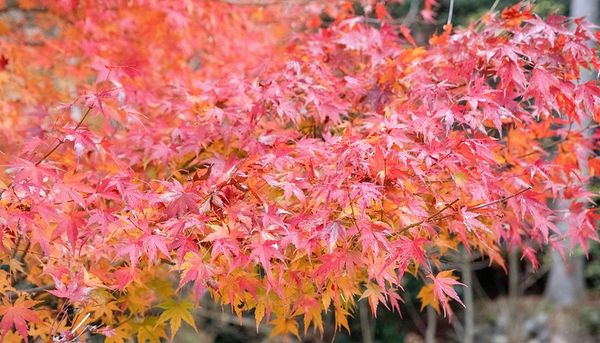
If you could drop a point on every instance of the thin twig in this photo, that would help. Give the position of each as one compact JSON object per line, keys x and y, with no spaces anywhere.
{"x":450,"y":12}
{"x":471,"y":208}
{"x":431,"y":217}
{"x":32,"y":290}
{"x":352,"y":210}
{"x":503,"y":199}
{"x":493,"y":8}
{"x":25,"y":251}
{"x":37,"y":289}
{"x":61,"y":141}
{"x":14,"y":254}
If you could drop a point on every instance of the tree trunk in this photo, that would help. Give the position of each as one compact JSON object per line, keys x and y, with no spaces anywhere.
{"x":566,"y":281}
{"x":467,"y":279}
{"x":431,"y":325}
{"x":365,"y":321}
{"x":513,"y":330}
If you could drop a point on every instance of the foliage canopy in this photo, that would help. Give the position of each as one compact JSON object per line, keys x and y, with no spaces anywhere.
{"x":159,"y":150}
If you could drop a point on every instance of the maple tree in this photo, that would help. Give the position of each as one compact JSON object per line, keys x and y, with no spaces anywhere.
{"x":288,"y":166}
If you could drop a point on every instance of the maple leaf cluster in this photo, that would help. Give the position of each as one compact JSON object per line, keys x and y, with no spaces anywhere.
{"x":156,"y":152}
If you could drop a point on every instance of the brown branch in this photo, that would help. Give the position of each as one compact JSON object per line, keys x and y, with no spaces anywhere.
{"x":47,"y":154}
{"x":37,"y":289}
{"x":229,"y":318}
{"x":32,"y":291}
{"x":501,"y":200}
{"x":471,"y":208}
{"x":431,"y":217}
{"x":25,"y":251}
{"x":60,"y":141}
{"x":14,"y":254}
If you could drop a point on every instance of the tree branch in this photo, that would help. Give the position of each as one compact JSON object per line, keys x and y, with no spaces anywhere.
{"x":471,"y":208}
{"x":431,"y":217}
{"x":503,"y":199}
{"x":61,"y":142}
{"x":32,"y":291}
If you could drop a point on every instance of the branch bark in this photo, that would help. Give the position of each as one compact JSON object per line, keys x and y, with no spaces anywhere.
{"x":365,"y":322}
{"x":468,"y":297}
{"x":431,"y":325}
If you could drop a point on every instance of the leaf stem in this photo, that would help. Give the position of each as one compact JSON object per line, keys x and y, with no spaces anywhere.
{"x":60,"y":141}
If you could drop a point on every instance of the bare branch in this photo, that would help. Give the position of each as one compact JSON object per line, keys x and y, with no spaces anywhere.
{"x":61,"y":142}
{"x":503,"y":199}
{"x":471,"y":208}
{"x":431,"y":217}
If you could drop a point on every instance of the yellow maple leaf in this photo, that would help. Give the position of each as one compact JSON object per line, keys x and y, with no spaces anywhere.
{"x":175,"y":312}
{"x":150,"y":330}
{"x":283,"y":325}
{"x":374,"y":296}
{"x":313,"y":314}
{"x":259,"y":314}
{"x":341,"y":318}
{"x":11,"y":337}
{"x":427,"y":298}
{"x":120,"y":334}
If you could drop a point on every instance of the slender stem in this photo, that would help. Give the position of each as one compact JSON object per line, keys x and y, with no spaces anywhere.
{"x":431,"y":217}
{"x":412,"y":13}
{"x":352,"y":210}
{"x":555,"y":143}
{"x":87,"y":315}
{"x":61,"y":142}
{"x":493,"y":8}
{"x":415,"y":316}
{"x":32,"y":290}
{"x":471,"y":208}
{"x":14,"y":254}
{"x":450,"y":12}
{"x":503,"y":199}
{"x":25,"y":251}
{"x":37,"y":289}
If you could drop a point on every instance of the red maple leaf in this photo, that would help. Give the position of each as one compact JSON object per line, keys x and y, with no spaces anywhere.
{"x":18,"y":315}
{"x":3,"y":62}
{"x":442,"y":289}
{"x":179,"y":200}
